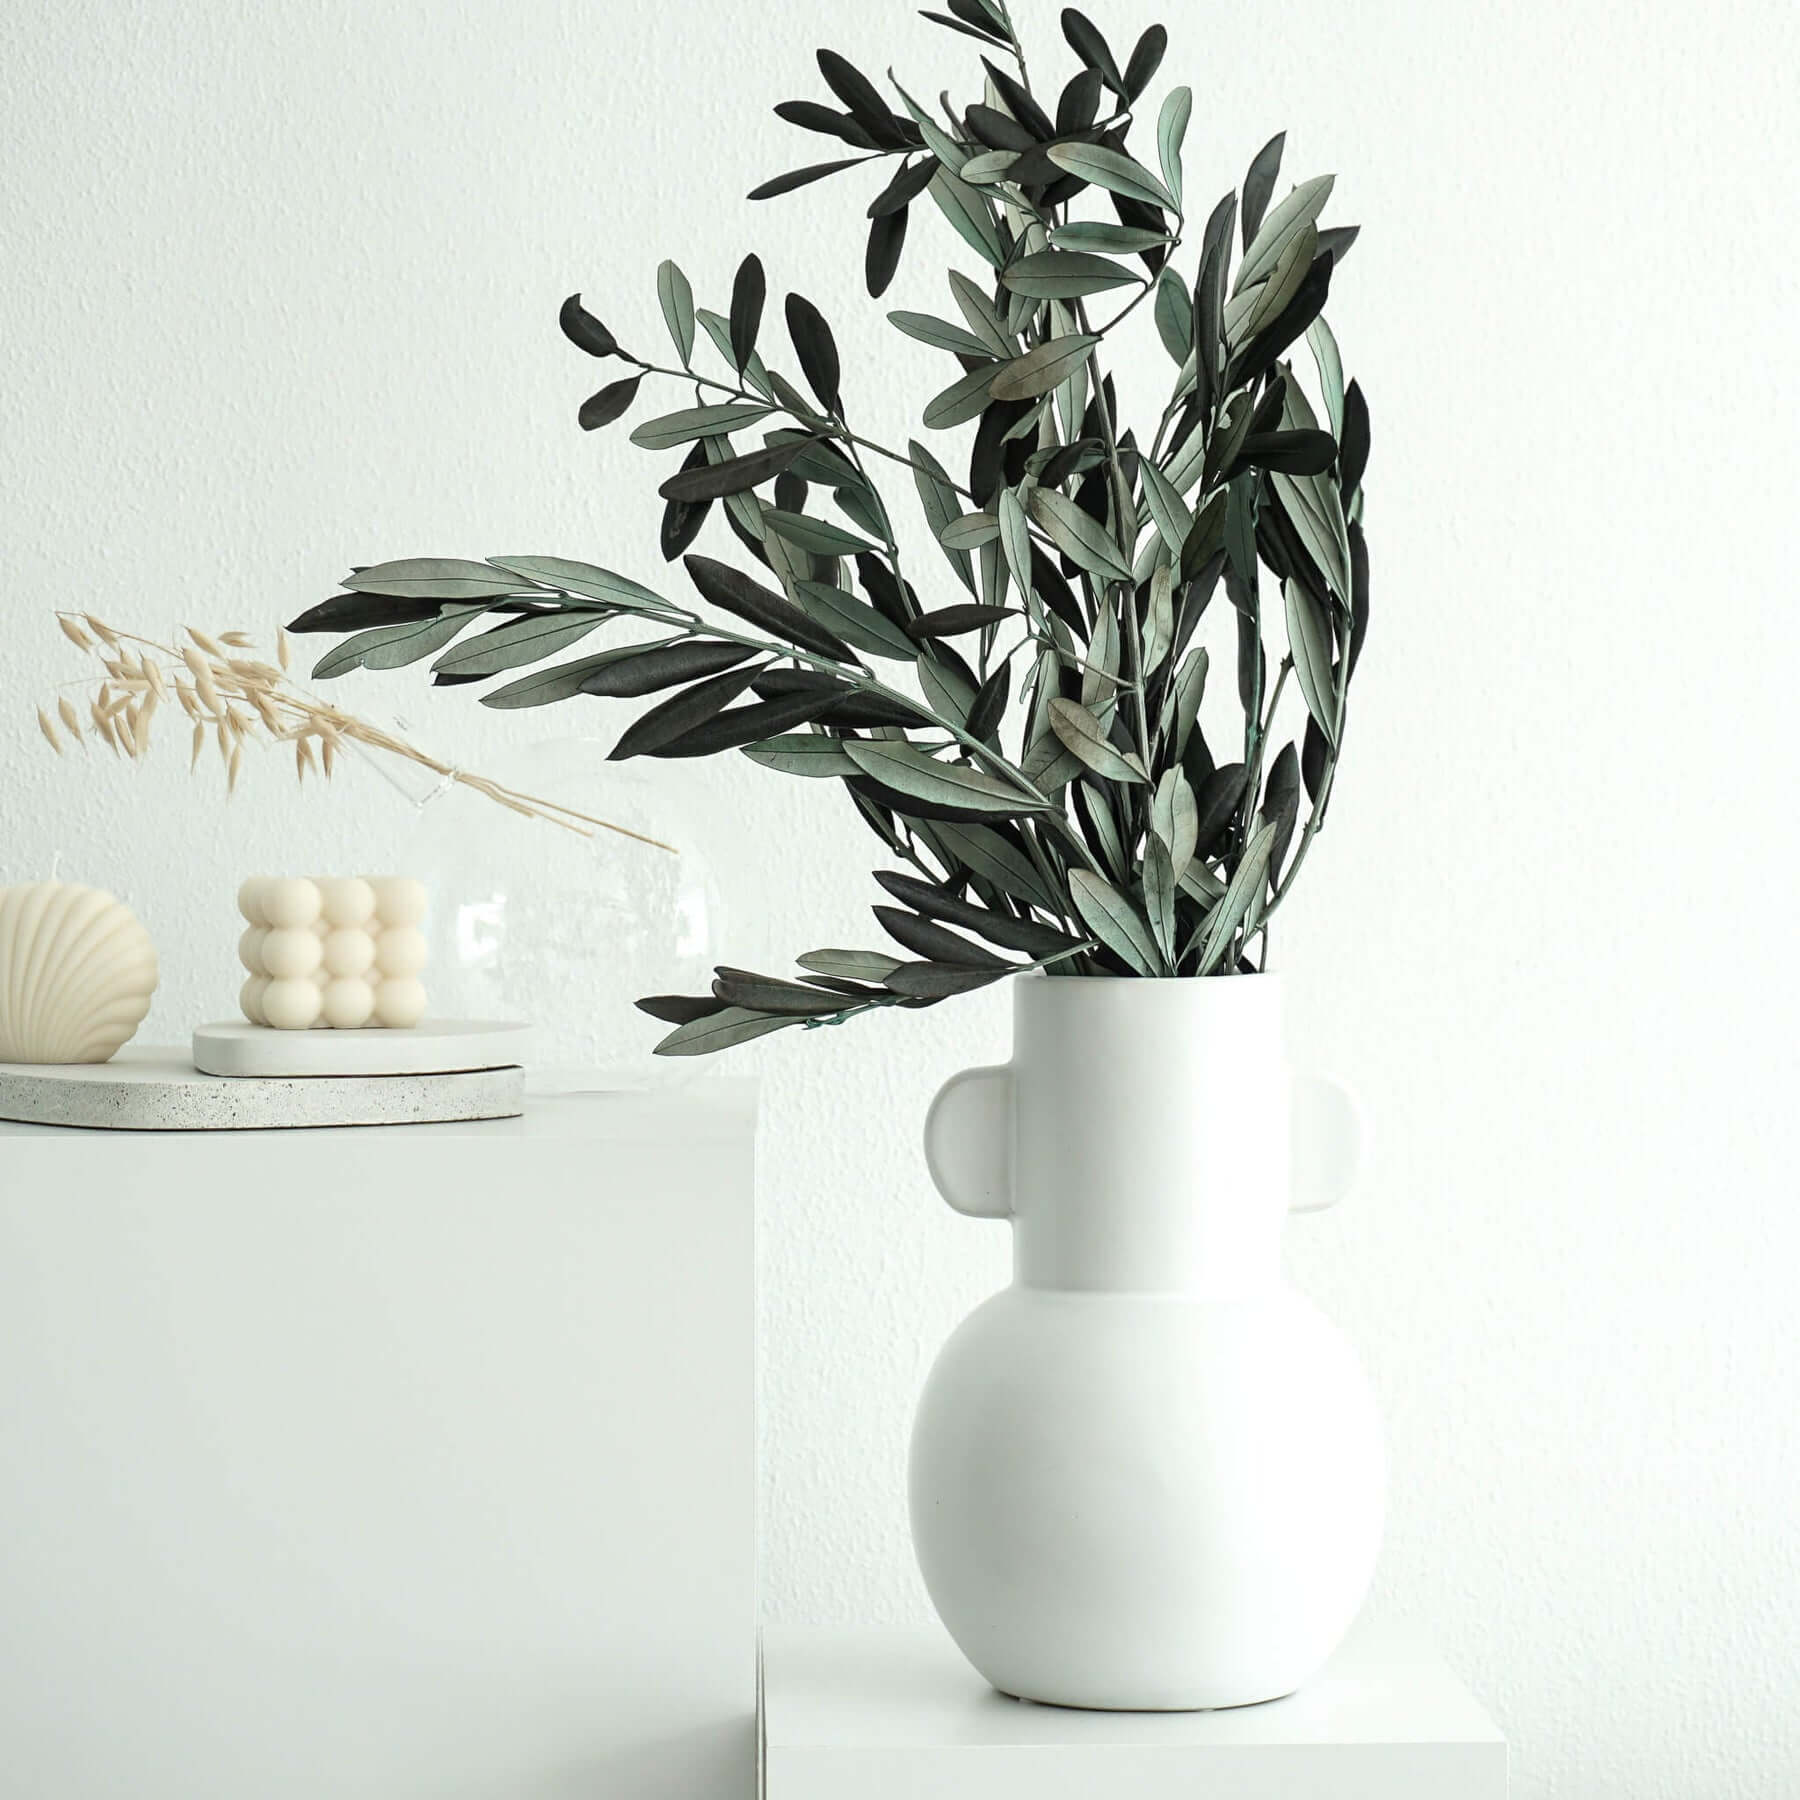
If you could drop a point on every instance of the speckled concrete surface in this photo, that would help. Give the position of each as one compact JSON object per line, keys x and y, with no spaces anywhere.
{"x":145,"y":1089}
{"x":279,"y":296}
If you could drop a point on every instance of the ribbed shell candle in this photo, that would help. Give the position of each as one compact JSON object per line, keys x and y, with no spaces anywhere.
{"x":341,"y":952}
{"x":76,"y":973}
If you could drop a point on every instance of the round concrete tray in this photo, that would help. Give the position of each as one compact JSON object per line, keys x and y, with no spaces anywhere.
{"x":144,"y":1089}
{"x":436,"y":1047}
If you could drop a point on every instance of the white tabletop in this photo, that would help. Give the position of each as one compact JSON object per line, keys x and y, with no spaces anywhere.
{"x":898,"y":1715}
{"x":558,"y":1104}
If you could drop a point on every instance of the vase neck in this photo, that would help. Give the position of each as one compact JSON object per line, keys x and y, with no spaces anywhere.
{"x":1150,"y":1150}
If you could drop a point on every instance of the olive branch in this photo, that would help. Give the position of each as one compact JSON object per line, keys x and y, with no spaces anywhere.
{"x":1030,"y":747}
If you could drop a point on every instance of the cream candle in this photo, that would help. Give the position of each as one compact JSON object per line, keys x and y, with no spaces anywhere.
{"x":341,"y":952}
{"x":76,"y":973}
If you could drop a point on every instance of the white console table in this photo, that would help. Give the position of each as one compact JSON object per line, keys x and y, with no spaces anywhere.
{"x":898,"y":1715}
{"x":411,"y":1463}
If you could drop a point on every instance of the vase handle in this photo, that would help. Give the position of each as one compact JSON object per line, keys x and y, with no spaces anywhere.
{"x":1327,"y":1143}
{"x":968,"y":1142}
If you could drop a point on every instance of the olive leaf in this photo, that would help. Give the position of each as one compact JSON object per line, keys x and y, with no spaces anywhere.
{"x":736,"y":475}
{"x":584,"y":331}
{"x":1112,"y":918}
{"x":1244,"y":888}
{"x":998,"y":859}
{"x":693,"y":422}
{"x":647,"y":670}
{"x":816,"y":349}
{"x":799,"y":178}
{"x":1146,"y":58}
{"x":931,"y":941}
{"x":678,"y":1009}
{"x":1077,"y":535}
{"x":1175,"y":820}
{"x":677,"y":301}
{"x":1159,"y":898}
{"x":1085,"y":39}
{"x":1309,"y":638}
{"x":938,"y":501}
{"x":1298,"y":211}
{"x":1168,"y":510}
{"x":1174,"y":313}
{"x":968,"y":213}
{"x":1064,"y":275}
{"x":734,"y":592}
{"x":611,"y":402}
{"x":562,"y":681}
{"x":887,"y":236}
{"x":1113,"y":170}
{"x":1312,"y":507}
{"x":912,"y":772}
{"x":764,"y":993}
{"x":819,"y":536}
{"x":394,"y":646}
{"x":810,"y":115}
{"x":850,"y":965}
{"x":583,"y":578}
{"x":1011,"y":934}
{"x":1290,"y":452}
{"x":1043,"y":367}
{"x":1102,"y":235}
{"x":853,"y":620}
{"x":1259,"y":184}
{"x":802,"y":753}
{"x":938,"y":981}
{"x":972,"y":20}
{"x":1331,"y":372}
{"x":517,"y":641}
{"x":859,"y":94}
{"x":1171,"y":131}
{"x":964,"y":399}
{"x":1281,"y":804}
{"x":748,"y":290}
{"x":1083,"y":736}
{"x":679,"y":714}
{"x":1353,"y":456}
{"x":970,"y":531}
{"x":978,"y":312}
{"x":940,"y":334}
{"x":990,"y":166}
{"x":741,"y":725}
{"x":433,"y":578}
{"x":952,"y":621}
{"x":1015,"y":538}
{"x":721,"y":1030}
{"x":910,"y":180}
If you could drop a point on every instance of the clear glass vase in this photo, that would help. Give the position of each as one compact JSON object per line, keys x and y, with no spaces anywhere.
{"x":532,"y":921}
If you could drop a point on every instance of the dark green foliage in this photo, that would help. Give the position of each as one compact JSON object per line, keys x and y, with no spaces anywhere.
{"x":1019,"y":718}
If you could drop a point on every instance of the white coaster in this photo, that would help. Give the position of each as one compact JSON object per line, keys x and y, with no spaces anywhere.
{"x":144,"y":1089}
{"x":434,"y":1047}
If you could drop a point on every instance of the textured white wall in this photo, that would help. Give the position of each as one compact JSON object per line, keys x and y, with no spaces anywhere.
{"x":279,"y":295}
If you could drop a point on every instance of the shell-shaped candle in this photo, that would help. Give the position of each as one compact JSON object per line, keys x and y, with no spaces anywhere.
{"x":76,"y":973}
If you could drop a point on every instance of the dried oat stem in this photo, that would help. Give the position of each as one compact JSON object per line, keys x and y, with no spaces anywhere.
{"x":232,"y":698}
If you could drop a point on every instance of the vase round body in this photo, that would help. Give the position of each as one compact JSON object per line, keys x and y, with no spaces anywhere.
{"x":1148,"y":1475}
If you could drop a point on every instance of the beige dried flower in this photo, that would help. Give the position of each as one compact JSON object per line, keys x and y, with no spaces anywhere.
{"x":236,"y":699}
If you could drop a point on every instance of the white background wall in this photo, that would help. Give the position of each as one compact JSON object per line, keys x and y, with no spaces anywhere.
{"x":279,"y":295}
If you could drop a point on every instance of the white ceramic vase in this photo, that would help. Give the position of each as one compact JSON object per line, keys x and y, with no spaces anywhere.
{"x":1149,"y":1474}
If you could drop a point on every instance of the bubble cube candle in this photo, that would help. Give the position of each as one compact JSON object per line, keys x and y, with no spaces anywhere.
{"x":340,"y":952}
